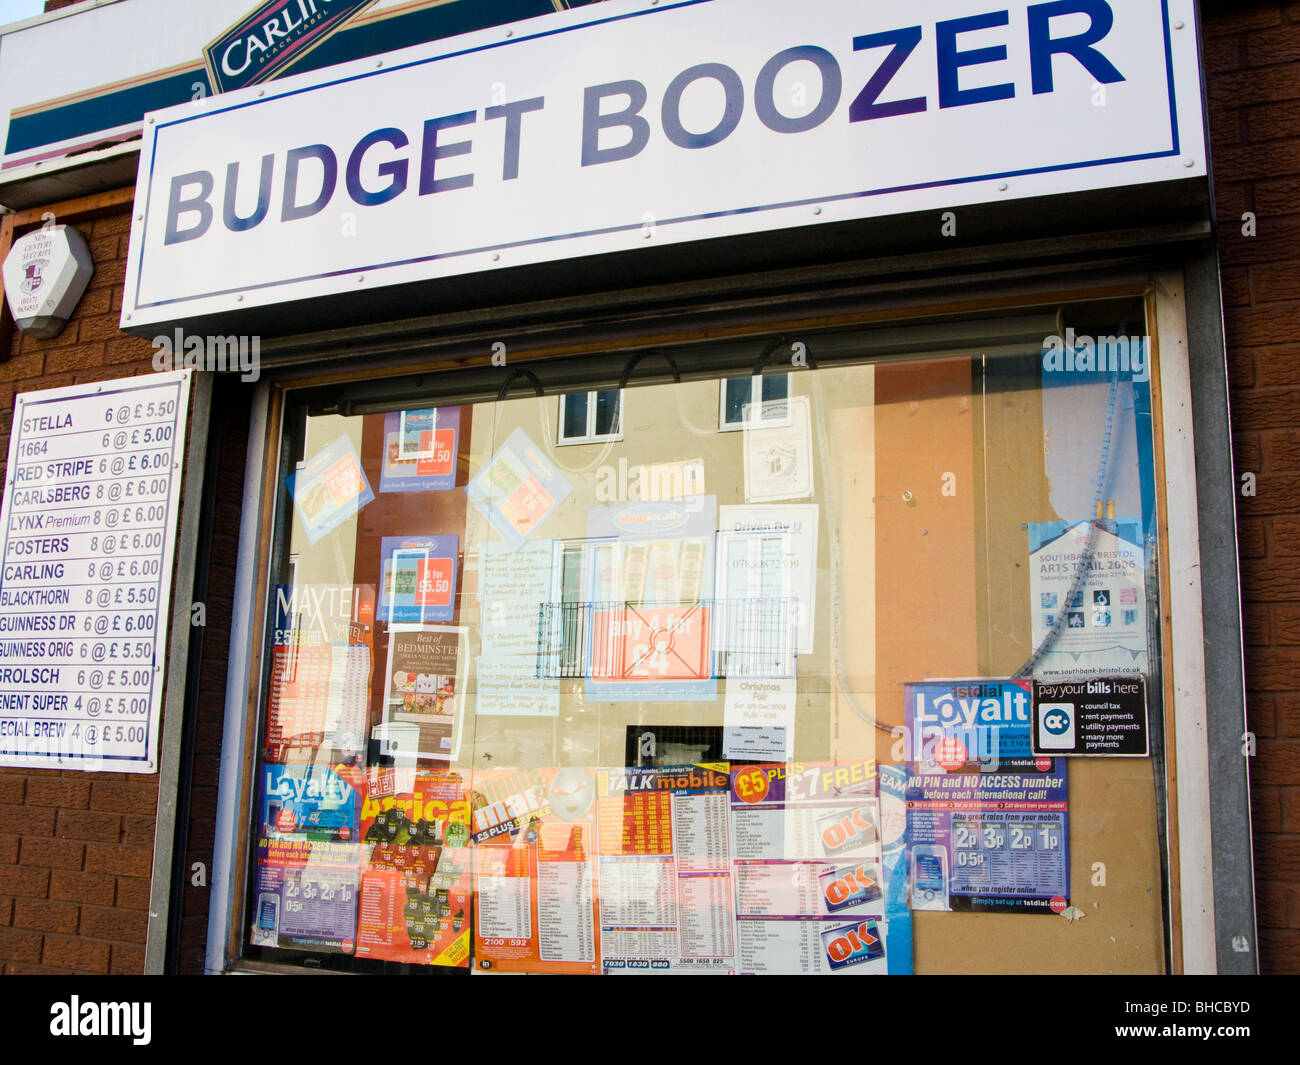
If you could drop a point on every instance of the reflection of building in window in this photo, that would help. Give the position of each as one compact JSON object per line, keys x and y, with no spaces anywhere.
{"x":751,"y":400}
{"x":587,"y":417}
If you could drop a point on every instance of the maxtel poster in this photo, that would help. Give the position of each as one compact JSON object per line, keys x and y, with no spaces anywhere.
{"x":321,"y":660}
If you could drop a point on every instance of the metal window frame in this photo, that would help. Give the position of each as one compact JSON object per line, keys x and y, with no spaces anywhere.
{"x":1215,"y":900}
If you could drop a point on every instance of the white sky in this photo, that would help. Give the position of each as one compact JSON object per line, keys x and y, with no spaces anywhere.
{"x":17,"y":10}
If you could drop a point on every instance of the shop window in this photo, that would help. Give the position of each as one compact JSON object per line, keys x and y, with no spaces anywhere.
{"x":752,"y":401}
{"x":674,"y":704}
{"x":591,"y":417}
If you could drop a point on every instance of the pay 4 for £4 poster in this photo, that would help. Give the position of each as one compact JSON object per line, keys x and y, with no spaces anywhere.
{"x":415,"y":876}
{"x":535,"y":871}
{"x":811,"y":886}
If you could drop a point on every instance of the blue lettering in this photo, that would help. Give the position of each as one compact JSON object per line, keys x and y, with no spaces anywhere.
{"x":233,"y":222}
{"x":593,"y":121}
{"x":433,"y":151}
{"x":765,"y":101}
{"x":865,"y":106}
{"x":395,"y":169}
{"x":513,"y":114}
{"x":735,"y":105}
{"x":1042,"y":45}
{"x":198,"y":203}
{"x":290,"y":210}
{"x":951,"y":60}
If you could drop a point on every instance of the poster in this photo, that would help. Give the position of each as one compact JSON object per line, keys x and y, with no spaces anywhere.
{"x":321,"y":658}
{"x":329,"y":488}
{"x":810,"y":880}
{"x":415,"y":886}
{"x":987,"y":826}
{"x":651,"y":633}
{"x":1100,"y":630}
{"x":778,"y":451}
{"x":518,"y":489}
{"x":758,"y":718}
{"x":418,"y":579}
{"x":508,"y":685}
{"x":425,"y":689}
{"x":666,"y":897}
{"x":420,"y":448}
{"x":310,"y":802}
{"x":513,"y":586}
{"x":535,"y":871}
{"x":969,"y":726}
{"x":307,"y":860}
{"x":770,"y":552}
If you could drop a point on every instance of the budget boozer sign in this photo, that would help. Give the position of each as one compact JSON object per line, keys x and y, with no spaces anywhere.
{"x":86,"y":538}
{"x":624,"y":125}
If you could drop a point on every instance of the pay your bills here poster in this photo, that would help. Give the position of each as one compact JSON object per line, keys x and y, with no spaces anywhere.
{"x":810,"y":891}
{"x":987,"y":821}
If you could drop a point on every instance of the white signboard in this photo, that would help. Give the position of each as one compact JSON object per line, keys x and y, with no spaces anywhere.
{"x":630,"y":124}
{"x":86,"y":538}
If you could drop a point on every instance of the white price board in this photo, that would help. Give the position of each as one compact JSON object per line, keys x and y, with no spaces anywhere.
{"x":87,"y":532}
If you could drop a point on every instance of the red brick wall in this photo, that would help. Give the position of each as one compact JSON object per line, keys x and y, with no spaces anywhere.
{"x":76,"y":848}
{"x":1252,"y":58}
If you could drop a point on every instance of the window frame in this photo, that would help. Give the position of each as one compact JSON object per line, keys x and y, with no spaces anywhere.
{"x":590,"y":436}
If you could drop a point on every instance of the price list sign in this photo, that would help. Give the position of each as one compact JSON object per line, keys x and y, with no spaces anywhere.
{"x":86,"y":539}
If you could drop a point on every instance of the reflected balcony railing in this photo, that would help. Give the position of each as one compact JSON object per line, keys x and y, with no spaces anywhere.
{"x":666,"y":641}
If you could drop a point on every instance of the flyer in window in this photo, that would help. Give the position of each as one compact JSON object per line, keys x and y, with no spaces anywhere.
{"x":666,"y":897}
{"x":415,"y":888}
{"x":987,"y":821}
{"x":329,"y":488}
{"x":513,"y":586}
{"x":778,"y":450}
{"x":650,"y":620}
{"x":321,"y":660}
{"x":770,"y":553}
{"x":420,"y":450}
{"x":1087,"y":584}
{"x":418,"y":578}
{"x":307,"y":860}
{"x":811,"y":890}
{"x":518,"y":489}
{"x":425,"y":691}
{"x":535,"y":870}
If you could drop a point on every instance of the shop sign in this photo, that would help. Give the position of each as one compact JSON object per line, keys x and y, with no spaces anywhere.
{"x":626,"y":125}
{"x":273,"y":36}
{"x":86,"y":538}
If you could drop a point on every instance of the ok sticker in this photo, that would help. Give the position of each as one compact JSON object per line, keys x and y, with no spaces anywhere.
{"x":849,"y":886}
{"x":853,"y":944}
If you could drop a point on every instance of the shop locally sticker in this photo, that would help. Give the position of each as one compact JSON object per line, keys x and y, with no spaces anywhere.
{"x":1104,"y":717}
